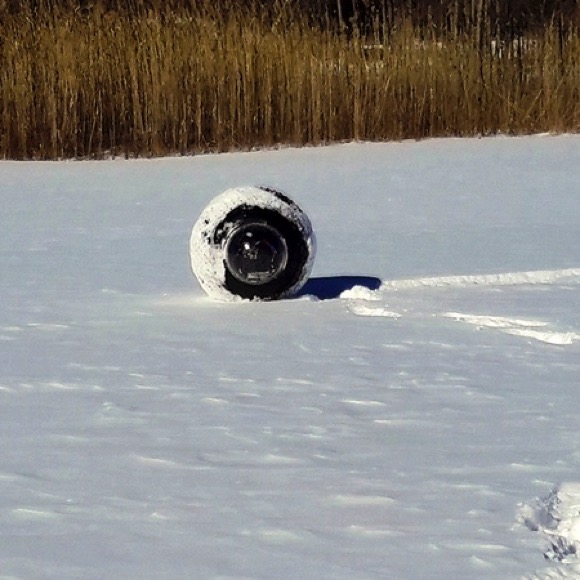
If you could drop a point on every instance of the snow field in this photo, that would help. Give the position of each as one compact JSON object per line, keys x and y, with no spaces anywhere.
{"x":396,"y":420}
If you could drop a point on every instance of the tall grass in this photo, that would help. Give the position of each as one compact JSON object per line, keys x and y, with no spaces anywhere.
{"x":100,"y":83}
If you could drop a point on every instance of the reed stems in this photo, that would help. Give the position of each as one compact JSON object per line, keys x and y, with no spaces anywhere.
{"x":145,"y":83}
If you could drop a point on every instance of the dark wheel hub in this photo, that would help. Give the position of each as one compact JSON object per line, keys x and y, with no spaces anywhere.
{"x":256,"y":253}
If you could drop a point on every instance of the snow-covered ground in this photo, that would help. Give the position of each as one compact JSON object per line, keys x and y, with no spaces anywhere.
{"x":413,"y":415}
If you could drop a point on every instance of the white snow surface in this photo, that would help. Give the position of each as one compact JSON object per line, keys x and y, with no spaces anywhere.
{"x":413,"y":414}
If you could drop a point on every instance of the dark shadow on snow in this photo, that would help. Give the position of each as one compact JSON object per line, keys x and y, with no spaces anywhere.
{"x":331,"y":287}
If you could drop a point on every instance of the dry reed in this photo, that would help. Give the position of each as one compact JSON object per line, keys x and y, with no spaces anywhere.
{"x":76,"y":85}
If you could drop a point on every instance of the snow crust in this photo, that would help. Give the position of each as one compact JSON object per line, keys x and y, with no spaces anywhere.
{"x":395,"y":420}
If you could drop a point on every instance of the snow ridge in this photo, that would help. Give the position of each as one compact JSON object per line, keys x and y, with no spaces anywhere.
{"x":503,"y":279}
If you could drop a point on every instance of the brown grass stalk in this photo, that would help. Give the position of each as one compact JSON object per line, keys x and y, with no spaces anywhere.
{"x":106,"y":83}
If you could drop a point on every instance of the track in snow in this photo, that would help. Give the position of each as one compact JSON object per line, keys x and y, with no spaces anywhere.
{"x":505,"y":279}
{"x":366,"y":302}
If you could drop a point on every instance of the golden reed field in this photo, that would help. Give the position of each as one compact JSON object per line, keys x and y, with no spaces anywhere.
{"x":91,"y":81}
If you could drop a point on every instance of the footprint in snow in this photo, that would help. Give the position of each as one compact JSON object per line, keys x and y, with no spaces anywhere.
{"x":557,"y":517}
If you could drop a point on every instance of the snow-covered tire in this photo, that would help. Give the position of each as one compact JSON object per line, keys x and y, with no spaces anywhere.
{"x":254,"y":243}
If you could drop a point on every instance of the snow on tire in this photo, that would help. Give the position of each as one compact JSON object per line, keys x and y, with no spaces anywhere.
{"x":253,"y":243}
